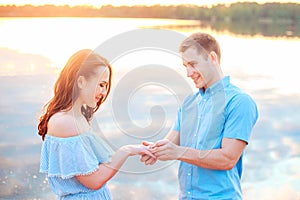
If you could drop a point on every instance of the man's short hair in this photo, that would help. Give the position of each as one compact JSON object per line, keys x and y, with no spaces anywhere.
{"x":203,"y":42}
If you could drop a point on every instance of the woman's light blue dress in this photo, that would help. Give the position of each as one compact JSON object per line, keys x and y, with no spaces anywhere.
{"x":64,"y":158}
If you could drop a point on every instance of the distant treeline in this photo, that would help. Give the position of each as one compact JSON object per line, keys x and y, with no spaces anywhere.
{"x":282,"y":12}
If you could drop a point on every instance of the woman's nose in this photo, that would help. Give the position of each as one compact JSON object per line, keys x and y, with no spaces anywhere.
{"x":103,"y":90}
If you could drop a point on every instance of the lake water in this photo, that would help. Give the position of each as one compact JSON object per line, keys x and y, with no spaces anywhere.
{"x":33,"y":50}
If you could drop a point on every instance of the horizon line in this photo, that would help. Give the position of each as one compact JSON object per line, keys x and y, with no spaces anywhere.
{"x":154,"y":4}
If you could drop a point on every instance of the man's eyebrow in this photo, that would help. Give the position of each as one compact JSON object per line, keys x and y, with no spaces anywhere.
{"x":188,"y":63}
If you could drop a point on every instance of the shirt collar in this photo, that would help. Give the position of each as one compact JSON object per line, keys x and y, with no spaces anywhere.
{"x":217,"y":86}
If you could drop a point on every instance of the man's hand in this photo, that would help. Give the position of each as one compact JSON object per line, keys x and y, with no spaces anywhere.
{"x":147,"y":159}
{"x":166,"y":150}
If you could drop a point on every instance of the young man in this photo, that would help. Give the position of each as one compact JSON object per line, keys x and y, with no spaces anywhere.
{"x":212,"y":129}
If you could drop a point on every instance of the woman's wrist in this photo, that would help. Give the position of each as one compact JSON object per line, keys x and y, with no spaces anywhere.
{"x":128,"y":149}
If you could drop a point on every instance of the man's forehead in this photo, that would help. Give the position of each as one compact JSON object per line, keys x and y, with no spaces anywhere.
{"x":188,"y":56}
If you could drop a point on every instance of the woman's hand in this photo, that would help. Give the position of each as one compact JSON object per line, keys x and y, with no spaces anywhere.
{"x":138,"y":150}
{"x":148,"y":160}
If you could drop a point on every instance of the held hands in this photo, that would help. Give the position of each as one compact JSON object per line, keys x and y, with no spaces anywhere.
{"x":148,"y":160}
{"x":138,"y":150}
{"x":162,"y":150}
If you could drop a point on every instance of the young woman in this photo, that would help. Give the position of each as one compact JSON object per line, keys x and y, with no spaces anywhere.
{"x":77,"y":162}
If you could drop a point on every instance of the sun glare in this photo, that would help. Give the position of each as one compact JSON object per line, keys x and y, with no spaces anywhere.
{"x":97,"y":3}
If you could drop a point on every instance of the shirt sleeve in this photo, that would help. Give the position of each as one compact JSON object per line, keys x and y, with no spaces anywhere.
{"x":176,"y":126}
{"x":241,"y":117}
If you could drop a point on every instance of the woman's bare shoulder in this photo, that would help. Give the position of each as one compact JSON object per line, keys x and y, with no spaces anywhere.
{"x":63,"y":125}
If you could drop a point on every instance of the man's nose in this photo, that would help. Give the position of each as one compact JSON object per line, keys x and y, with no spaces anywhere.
{"x":189,"y":71}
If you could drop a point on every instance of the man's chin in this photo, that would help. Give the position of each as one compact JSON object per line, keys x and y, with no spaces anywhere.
{"x":198,"y":85}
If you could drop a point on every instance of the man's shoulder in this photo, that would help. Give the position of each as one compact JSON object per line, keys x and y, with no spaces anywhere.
{"x":234,"y":91}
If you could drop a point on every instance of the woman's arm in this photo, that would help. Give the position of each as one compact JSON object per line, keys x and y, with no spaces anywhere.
{"x":62,"y":125}
{"x":106,"y":171}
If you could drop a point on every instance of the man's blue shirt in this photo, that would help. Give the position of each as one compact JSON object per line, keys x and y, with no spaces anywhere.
{"x":203,"y":120}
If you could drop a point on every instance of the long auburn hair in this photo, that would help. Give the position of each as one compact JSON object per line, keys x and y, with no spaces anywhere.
{"x":82,"y":63}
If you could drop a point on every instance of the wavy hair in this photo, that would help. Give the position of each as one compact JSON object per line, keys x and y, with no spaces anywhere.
{"x":82,"y":63}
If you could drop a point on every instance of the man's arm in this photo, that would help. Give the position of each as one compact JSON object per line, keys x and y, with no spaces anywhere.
{"x":219,"y":159}
{"x":174,"y":137}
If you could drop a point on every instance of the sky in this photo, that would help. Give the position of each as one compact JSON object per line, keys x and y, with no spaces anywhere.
{"x":98,"y":3}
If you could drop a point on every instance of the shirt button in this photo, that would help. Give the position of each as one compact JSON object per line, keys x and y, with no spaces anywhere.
{"x":195,"y":135}
{"x":189,"y":192}
{"x":189,"y":174}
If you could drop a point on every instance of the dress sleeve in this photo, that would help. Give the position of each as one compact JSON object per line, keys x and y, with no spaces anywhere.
{"x":68,"y":157}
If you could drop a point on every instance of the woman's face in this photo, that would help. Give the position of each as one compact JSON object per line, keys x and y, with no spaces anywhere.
{"x":95,"y":88}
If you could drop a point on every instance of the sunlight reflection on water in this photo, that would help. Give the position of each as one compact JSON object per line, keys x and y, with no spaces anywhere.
{"x":30,"y":63}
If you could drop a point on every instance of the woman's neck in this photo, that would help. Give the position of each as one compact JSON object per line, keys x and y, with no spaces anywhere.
{"x":81,"y":122}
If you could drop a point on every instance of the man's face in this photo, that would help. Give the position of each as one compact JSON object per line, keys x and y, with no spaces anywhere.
{"x":198,"y":68}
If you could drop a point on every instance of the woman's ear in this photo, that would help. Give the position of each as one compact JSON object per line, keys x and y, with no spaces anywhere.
{"x":81,"y":82}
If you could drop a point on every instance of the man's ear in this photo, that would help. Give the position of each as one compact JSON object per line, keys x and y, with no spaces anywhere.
{"x":214,"y":56}
{"x":81,"y":82}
